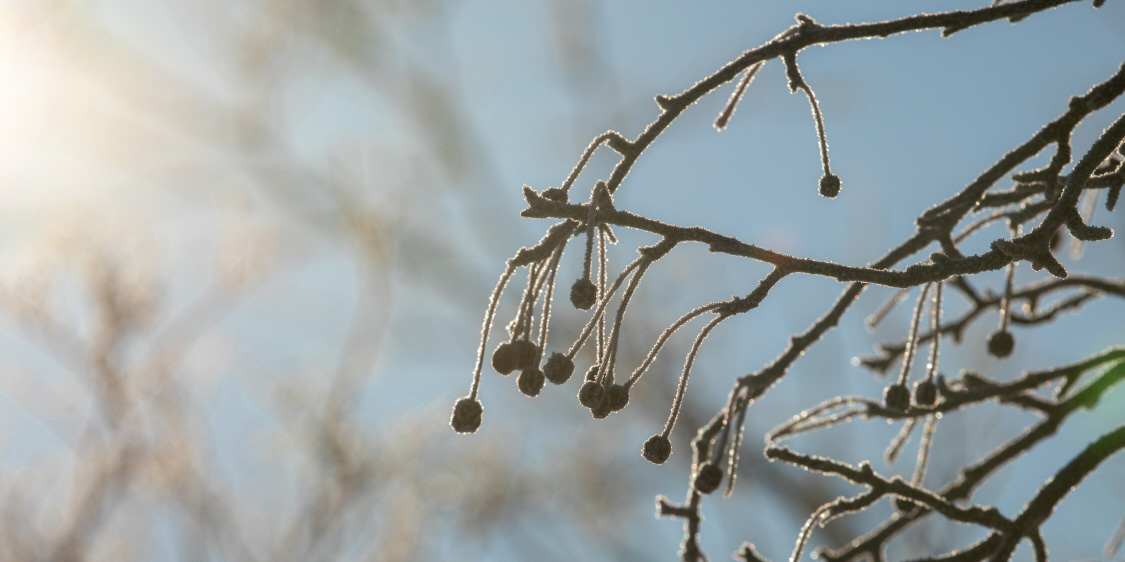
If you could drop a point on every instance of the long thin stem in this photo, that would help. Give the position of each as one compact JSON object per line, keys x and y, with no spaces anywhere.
{"x":806,"y":530}
{"x":603,"y":263}
{"x":544,"y":322}
{"x":600,"y":310}
{"x":736,"y":445}
{"x":880,"y":313}
{"x":491,"y":312}
{"x":797,"y":81}
{"x":912,"y":343}
{"x":893,"y":450}
{"x":1006,"y":302}
{"x":606,"y":368}
{"x":679,"y":400}
{"x":521,"y":325}
{"x":935,"y":329}
{"x":586,"y":154}
{"x":667,"y":333}
{"x":924,"y":447}
{"x":732,"y":103}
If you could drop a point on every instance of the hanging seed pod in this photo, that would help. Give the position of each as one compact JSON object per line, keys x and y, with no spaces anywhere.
{"x":601,"y":410}
{"x":829,"y":185}
{"x":1000,"y":344}
{"x":526,"y":354}
{"x":559,"y":368}
{"x":530,"y":381}
{"x":591,"y":394}
{"x":617,"y":397}
{"x":708,"y":478}
{"x":925,"y":393}
{"x":583,"y":294}
{"x":504,"y":358}
{"x":466,"y":415}
{"x":897,"y":397}
{"x":657,"y":449}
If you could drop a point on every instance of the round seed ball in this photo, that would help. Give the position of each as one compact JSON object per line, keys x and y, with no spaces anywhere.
{"x":504,"y":358}
{"x":466,"y":415}
{"x":897,"y":397}
{"x":527,"y":354}
{"x":583,"y":294}
{"x":601,"y":410}
{"x":708,"y":478}
{"x":829,"y":185}
{"x":591,"y":394}
{"x":657,"y":449}
{"x":559,"y":368}
{"x":1000,"y":344}
{"x":925,"y":393}
{"x":617,"y":397}
{"x":530,"y":381}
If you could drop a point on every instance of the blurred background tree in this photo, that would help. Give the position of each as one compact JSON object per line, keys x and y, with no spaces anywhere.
{"x":246,"y":246}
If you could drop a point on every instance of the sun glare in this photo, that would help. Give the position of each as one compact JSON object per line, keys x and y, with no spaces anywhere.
{"x":26,"y":98}
{"x":75,"y":122}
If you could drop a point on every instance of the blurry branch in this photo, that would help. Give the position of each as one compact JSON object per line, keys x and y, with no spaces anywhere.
{"x":151,"y":460}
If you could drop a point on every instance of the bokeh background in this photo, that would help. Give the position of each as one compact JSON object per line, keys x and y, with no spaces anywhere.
{"x":245,"y":248}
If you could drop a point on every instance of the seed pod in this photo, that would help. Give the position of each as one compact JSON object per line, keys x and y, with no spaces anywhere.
{"x":559,"y":368}
{"x":583,"y":294}
{"x":1000,"y":344}
{"x":829,"y":185}
{"x":925,"y":393}
{"x":504,"y":358}
{"x":601,"y":410}
{"x":530,"y":381}
{"x":617,"y":397}
{"x":657,"y":449}
{"x":591,"y":394}
{"x":897,"y":397}
{"x":526,"y":353}
{"x":708,"y":478}
{"x":466,"y":415}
